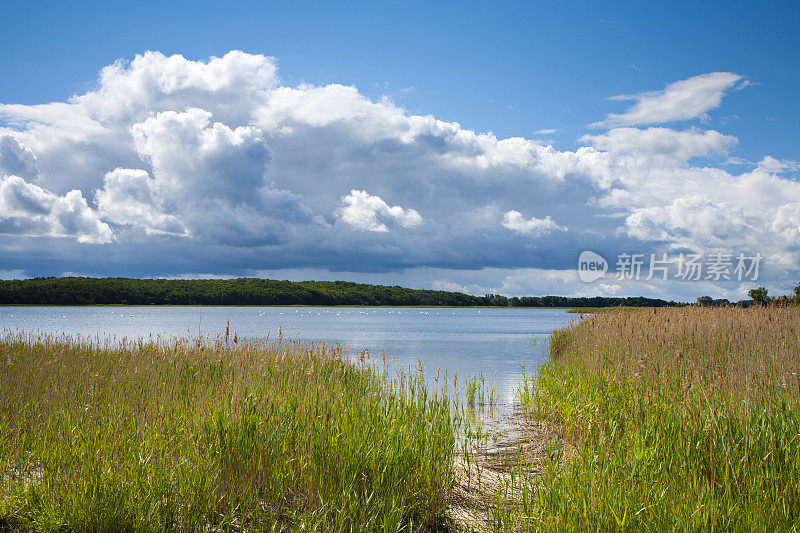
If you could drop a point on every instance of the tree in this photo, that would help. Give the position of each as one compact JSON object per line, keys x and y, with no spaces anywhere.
{"x":759,"y":296}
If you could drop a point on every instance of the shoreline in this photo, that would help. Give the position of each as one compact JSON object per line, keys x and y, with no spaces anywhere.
{"x":296,"y":305}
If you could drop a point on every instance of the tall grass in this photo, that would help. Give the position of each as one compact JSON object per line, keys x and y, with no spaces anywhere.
{"x":201,"y":435}
{"x":668,"y":419}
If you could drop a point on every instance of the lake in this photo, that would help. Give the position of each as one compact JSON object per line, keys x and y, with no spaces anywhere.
{"x":467,"y":341}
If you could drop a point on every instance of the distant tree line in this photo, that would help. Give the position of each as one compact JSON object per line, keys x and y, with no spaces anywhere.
{"x":708,"y":301}
{"x":760,"y":296}
{"x":253,"y":291}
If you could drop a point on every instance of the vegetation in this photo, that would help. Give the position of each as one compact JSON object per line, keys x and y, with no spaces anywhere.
{"x":665,"y":419}
{"x":591,"y":310}
{"x":251,"y":291}
{"x":213,"y":436}
{"x":761,"y":297}
{"x":670,"y":419}
{"x":590,"y":301}
{"x":708,"y":301}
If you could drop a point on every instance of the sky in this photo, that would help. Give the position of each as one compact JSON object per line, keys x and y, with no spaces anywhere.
{"x":479,"y":147}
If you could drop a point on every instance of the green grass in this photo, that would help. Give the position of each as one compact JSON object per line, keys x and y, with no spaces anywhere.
{"x":682,"y":419}
{"x":190,"y":436}
{"x":657,"y":419}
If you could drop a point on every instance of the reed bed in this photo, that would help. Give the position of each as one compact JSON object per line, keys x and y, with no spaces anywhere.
{"x":213,"y":435}
{"x":666,"y":419}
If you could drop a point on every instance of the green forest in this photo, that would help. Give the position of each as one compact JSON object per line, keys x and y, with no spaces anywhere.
{"x":254,"y":291}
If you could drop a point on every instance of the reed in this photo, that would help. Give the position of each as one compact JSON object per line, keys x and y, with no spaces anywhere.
{"x":666,"y":419}
{"x":471,"y":385}
{"x":102,"y":435}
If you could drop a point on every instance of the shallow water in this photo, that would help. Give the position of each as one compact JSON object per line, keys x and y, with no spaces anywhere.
{"x":466,"y":341}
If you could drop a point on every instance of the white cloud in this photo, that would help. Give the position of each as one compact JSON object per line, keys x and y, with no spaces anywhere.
{"x":770,"y":165}
{"x":213,"y":176}
{"x":681,"y":100}
{"x":366,"y":212}
{"x":191,"y":157}
{"x":444,"y":285}
{"x":250,"y":172}
{"x":787,"y":223}
{"x":16,"y":158}
{"x":663,"y":143}
{"x":12,"y":274}
{"x":535,"y":227}
{"x":609,"y":289}
{"x":29,"y":210}
{"x":230,"y":86}
{"x":693,"y":221}
{"x":130,"y":197}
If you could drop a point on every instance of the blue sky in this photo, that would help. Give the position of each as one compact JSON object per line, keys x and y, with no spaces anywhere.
{"x":515,"y":70}
{"x":512,"y":68}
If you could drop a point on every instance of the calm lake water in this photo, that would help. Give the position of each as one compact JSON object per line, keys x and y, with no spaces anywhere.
{"x":496,"y":342}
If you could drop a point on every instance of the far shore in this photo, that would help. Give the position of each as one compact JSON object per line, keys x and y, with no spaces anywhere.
{"x":572,"y":309}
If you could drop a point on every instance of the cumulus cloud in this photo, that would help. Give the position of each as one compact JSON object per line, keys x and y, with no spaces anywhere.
{"x":213,"y":177}
{"x":231,"y":85}
{"x":681,"y":100}
{"x":16,"y":158}
{"x":130,"y":197}
{"x":250,"y":174}
{"x":366,"y":212}
{"x":534,"y":227}
{"x":609,"y":289}
{"x":29,"y":210}
{"x":192,"y":157}
{"x":694,"y":221}
{"x":787,"y":223}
